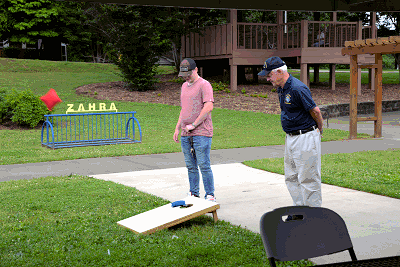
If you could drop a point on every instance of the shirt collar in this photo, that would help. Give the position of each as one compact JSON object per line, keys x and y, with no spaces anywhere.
{"x":287,"y":84}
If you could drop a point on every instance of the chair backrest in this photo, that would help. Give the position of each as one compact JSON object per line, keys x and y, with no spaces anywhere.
{"x":320,"y":232}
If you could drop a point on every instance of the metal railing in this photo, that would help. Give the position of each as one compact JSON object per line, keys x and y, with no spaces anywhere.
{"x":90,"y":129}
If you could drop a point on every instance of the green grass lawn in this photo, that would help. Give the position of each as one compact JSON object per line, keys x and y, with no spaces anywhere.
{"x":72,"y":221}
{"x":232,"y":129}
{"x":375,"y":172}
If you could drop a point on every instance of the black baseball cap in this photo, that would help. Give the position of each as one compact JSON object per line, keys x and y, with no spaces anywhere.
{"x":186,"y":67}
{"x":271,"y":64}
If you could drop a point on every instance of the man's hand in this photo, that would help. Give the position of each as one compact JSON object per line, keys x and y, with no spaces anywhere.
{"x":176,"y":136}
{"x":189,"y":127}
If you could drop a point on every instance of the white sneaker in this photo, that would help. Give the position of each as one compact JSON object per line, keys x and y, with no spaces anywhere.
{"x":210,"y":198}
{"x":190,"y":194}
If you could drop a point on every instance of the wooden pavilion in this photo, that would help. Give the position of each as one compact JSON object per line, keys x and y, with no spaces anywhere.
{"x":237,"y":45}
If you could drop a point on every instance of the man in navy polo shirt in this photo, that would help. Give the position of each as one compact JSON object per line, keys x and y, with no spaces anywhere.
{"x":302,"y":121}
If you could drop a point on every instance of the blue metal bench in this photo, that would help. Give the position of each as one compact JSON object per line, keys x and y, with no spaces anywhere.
{"x":90,"y":129}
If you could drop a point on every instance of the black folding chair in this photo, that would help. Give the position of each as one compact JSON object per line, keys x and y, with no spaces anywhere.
{"x":311,"y":232}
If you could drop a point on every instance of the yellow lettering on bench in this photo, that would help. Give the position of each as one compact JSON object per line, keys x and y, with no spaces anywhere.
{"x":112,"y":107}
{"x":70,"y":108}
{"x":92,"y":106}
{"x":102,"y":106}
{"x":81,"y":108}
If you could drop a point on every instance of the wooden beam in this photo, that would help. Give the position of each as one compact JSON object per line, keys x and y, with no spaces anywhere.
{"x":378,"y":97}
{"x":383,"y":40}
{"x":394,"y":39}
{"x":353,"y":96}
{"x":390,"y":48}
{"x":359,"y":43}
{"x":349,"y":44}
{"x":368,"y":66}
{"x":371,"y":42}
{"x":366,"y":119}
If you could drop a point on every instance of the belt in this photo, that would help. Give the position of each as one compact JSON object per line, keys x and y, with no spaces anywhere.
{"x":312,"y":128}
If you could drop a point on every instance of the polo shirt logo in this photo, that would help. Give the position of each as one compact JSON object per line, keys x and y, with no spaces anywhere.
{"x":287,"y":99}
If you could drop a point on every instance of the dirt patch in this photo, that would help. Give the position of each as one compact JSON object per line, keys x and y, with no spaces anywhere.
{"x":169,"y":93}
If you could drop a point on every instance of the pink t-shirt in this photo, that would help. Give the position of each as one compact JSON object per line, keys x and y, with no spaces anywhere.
{"x":192,"y":102}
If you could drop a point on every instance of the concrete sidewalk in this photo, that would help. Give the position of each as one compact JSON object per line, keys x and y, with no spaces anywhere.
{"x":246,"y":193}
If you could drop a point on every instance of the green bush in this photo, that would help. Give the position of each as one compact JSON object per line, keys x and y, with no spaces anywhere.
{"x":12,"y":52}
{"x":4,"y":111}
{"x":23,"y":108}
{"x":388,"y":61}
{"x":220,"y":86}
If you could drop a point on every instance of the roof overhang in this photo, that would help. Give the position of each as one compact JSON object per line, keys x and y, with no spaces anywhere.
{"x":294,"y":5}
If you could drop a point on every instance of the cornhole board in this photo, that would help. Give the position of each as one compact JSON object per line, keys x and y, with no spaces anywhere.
{"x":166,"y":216}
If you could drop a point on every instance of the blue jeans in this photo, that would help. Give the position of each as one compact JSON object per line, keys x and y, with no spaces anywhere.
{"x":200,"y":158}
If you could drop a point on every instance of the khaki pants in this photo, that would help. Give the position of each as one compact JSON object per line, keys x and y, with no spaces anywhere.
{"x":303,"y":168}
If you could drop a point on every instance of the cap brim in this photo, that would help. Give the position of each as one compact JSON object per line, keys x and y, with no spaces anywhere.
{"x":184,"y":73}
{"x":263,"y":73}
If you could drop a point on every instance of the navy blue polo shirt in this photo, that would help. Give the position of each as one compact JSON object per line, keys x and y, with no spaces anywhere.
{"x":296,"y":102}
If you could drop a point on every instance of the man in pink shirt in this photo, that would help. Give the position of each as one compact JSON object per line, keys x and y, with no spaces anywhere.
{"x":195,"y":126}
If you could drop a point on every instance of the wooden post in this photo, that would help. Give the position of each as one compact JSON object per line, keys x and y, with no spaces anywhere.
{"x":373,"y":25}
{"x":316,"y":73}
{"x":359,"y":81}
{"x":372,"y":72}
{"x":359,"y":30}
{"x":233,"y":77}
{"x":234,"y":29}
{"x":371,"y":79}
{"x":332,"y":76}
{"x":234,"y":71}
{"x":378,"y":97}
{"x":279,"y":21}
{"x":303,"y":73}
{"x":308,"y":76}
{"x":304,"y":34}
{"x":353,"y":96}
{"x":255,"y":74}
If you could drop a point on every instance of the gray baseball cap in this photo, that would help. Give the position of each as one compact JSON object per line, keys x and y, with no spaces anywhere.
{"x":186,"y":67}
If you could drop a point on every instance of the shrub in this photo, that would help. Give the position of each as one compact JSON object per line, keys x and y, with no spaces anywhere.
{"x":23,"y":108}
{"x":220,"y":86}
{"x":12,"y":52}
{"x":5,"y":113}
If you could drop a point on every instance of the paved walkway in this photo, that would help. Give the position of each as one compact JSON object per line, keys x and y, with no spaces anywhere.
{"x":246,"y":193}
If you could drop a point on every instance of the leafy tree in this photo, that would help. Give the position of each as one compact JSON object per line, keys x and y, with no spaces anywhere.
{"x":386,"y":21}
{"x":174,"y":22}
{"x":28,"y":21}
{"x":133,"y":41}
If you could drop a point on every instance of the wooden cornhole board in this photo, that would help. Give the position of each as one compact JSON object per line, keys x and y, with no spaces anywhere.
{"x":166,"y":216}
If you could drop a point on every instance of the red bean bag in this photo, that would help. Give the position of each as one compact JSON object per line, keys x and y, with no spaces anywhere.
{"x":51,"y":99}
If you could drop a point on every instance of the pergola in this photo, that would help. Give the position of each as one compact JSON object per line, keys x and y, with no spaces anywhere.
{"x":377,"y":47}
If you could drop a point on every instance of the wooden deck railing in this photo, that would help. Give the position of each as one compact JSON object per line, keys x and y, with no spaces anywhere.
{"x":217,"y":40}
{"x":210,"y":41}
{"x":257,"y":36}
